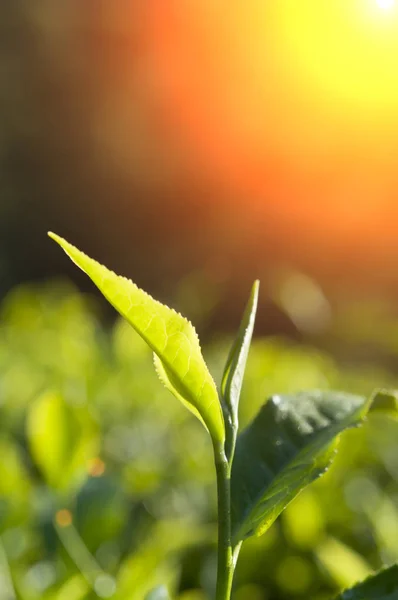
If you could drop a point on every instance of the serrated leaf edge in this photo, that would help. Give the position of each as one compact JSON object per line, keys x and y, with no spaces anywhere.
{"x":367,"y":580}
{"x":69,"y":249}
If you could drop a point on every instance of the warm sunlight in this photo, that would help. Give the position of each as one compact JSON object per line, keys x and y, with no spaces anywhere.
{"x":345,"y":50}
{"x":386,"y":4}
{"x":291,"y":101}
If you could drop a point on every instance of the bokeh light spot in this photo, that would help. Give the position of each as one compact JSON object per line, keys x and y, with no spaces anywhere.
{"x":96,"y":467}
{"x":105,"y":586}
{"x":63,"y":518}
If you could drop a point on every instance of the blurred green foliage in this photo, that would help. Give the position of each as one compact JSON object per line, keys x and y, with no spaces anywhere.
{"x":106,"y":483}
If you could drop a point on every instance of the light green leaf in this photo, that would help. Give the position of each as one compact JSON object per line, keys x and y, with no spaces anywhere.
{"x":60,"y":442}
{"x":159,"y":593}
{"x":232,"y":380}
{"x":289,"y":444}
{"x":166,"y":377}
{"x":382,"y":586}
{"x":48,"y":433}
{"x":75,"y":588}
{"x":172,"y":338}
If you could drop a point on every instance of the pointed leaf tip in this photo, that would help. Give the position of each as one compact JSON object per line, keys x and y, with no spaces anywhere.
{"x":234,"y":371}
{"x":172,"y":338}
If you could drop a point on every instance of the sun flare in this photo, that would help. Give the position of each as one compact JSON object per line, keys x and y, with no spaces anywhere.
{"x":386,"y":4}
{"x":305,"y":88}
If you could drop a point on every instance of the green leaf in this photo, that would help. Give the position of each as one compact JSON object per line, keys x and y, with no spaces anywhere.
{"x":232,"y":380}
{"x":382,"y":586}
{"x":166,"y":377}
{"x":75,"y":588}
{"x":172,"y":338}
{"x":60,"y":442}
{"x":159,"y":593}
{"x":289,"y":444}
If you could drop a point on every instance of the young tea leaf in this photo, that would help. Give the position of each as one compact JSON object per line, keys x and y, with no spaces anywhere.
{"x":289,"y":444}
{"x":167,"y":379}
{"x":232,"y":380}
{"x":382,"y":586}
{"x":172,"y":338}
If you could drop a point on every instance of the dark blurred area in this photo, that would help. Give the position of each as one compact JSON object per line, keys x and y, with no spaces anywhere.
{"x":192,"y":147}
{"x":127,"y":129}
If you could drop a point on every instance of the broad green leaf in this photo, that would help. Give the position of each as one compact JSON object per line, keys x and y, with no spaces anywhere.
{"x":159,"y":593}
{"x":172,"y":338}
{"x":232,"y":380}
{"x":289,"y":444}
{"x":382,"y":586}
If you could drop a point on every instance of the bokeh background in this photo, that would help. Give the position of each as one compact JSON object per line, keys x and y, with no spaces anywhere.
{"x":193,"y":146}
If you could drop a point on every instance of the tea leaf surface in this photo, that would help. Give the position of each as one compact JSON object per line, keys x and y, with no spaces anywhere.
{"x":290,"y":443}
{"x":172,"y":338}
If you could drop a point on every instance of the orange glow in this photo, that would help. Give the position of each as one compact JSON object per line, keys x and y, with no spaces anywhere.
{"x":291,"y":104}
{"x":96,"y":467}
{"x":63,"y":518}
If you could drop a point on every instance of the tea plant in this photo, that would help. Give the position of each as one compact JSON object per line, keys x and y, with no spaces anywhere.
{"x":289,"y":444}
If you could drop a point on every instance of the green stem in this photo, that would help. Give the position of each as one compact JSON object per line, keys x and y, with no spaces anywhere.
{"x":226,"y":559}
{"x":80,"y":554}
